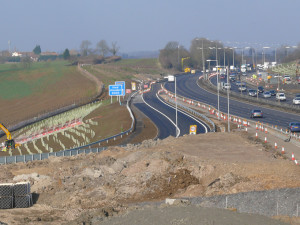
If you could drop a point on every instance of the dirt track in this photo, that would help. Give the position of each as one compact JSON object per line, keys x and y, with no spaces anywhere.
{"x":98,"y":185}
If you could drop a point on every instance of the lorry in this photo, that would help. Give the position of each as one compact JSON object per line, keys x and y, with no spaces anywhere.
{"x":9,"y":142}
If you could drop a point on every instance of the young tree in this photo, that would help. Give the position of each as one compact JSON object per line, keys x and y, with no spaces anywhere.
{"x":26,"y":62}
{"x":84,"y":47}
{"x":37,"y":50}
{"x":66,"y":54}
{"x":102,"y":47}
{"x":114,"y":48}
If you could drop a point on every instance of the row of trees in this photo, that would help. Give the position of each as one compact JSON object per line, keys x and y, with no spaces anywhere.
{"x":202,"y":49}
{"x":102,"y":48}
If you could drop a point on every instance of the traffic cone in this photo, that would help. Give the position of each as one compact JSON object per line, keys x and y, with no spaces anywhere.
{"x":275,"y":145}
{"x":256,"y":127}
{"x":266,"y":130}
{"x":293,"y":156}
{"x":256,"y":135}
{"x":246,"y":129}
{"x":296,"y":162}
{"x":265,"y":139}
{"x":282,"y":150}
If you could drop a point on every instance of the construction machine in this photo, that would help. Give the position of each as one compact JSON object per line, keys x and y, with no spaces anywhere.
{"x":9,"y":142}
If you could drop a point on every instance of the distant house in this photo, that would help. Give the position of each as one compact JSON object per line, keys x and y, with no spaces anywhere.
{"x":49,"y":53}
{"x":33,"y":56}
{"x":16,"y":54}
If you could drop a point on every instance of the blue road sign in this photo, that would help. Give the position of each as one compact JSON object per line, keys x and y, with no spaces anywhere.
{"x":115,"y":90}
{"x":122,"y":83}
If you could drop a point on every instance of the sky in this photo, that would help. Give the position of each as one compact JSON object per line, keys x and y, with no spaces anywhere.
{"x":147,"y":25}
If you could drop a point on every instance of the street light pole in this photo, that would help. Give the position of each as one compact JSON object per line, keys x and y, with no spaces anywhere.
{"x":228,"y":115}
{"x":203,"y":61}
{"x":217,"y":87}
{"x":176,"y":108}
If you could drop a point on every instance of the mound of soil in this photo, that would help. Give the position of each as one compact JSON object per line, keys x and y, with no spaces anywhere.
{"x":77,"y":189}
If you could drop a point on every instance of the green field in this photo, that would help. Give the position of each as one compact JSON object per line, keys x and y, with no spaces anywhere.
{"x":17,"y":82}
{"x":44,"y":87}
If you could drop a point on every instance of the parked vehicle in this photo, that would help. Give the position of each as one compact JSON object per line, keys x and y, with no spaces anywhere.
{"x":267,"y":94}
{"x":296,"y":101}
{"x":294,"y":127}
{"x":256,"y":113}
{"x":252,"y":92}
{"x":273,"y":92}
{"x":280,"y":96}
{"x":260,"y":89}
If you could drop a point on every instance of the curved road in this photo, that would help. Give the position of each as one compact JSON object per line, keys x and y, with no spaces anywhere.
{"x":187,"y":86}
{"x":165,"y":126}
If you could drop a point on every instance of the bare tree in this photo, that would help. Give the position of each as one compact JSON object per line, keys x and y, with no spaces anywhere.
{"x":84,"y":47}
{"x":114,"y":48}
{"x":102,"y":47}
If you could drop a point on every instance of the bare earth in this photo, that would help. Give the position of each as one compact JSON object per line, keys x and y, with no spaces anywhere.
{"x":76,"y":190}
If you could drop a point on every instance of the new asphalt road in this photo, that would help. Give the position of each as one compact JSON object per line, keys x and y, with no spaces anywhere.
{"x":164,"y":116}
{"x":187,"y":86}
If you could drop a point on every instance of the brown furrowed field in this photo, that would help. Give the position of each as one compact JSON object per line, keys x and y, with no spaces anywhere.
{"x":45,"y":86}
{"x":126,"y":70}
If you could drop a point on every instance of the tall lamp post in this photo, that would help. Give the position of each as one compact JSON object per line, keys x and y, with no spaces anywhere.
{"x":265,"y":53}
{"x":233,"y":49}
{"x":209,"y":60}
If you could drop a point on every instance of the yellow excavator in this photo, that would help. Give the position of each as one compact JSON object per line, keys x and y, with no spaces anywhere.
{"x":9,"y":142}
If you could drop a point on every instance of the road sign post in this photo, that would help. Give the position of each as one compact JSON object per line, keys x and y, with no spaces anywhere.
{"x":193,"y":129}
{"x":115,"y":90}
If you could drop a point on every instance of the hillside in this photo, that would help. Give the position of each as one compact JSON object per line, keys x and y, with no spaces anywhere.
{"x":45,"y":86}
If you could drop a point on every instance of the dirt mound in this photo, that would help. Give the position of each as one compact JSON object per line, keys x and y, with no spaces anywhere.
{"x":78,"y":187}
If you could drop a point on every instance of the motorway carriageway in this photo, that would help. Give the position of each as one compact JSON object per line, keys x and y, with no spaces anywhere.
{"x":187,"y":86}
{"x":166,"y":126}
{"x":235,"y":87}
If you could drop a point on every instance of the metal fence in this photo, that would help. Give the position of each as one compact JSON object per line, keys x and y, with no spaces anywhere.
{"x":70,"y":152}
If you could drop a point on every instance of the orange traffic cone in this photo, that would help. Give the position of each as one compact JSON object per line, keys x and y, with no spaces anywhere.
{"x":293,"y":156}
{"x":265,"y":139}
{"x":282,"y":150}
{"x":275,"y":145}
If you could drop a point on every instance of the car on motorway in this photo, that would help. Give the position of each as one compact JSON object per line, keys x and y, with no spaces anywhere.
{"x":280,"y":97}
{"x":260,"y":89}
{"x":273,"y":92}
{"x":287,"y":77}
{"x":256,"y":113}
{"x":297,"y":95}
{"x":267,"y":94}
{"x":242,"y":87}
{"x":238,"y":83}
{"x":226,"y":86}
{"x":296,"y":101}
{"x":294,"y":127}
{"x":244,"y":74}
{"x":222,"y":76}
{"x":252,"y":92}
